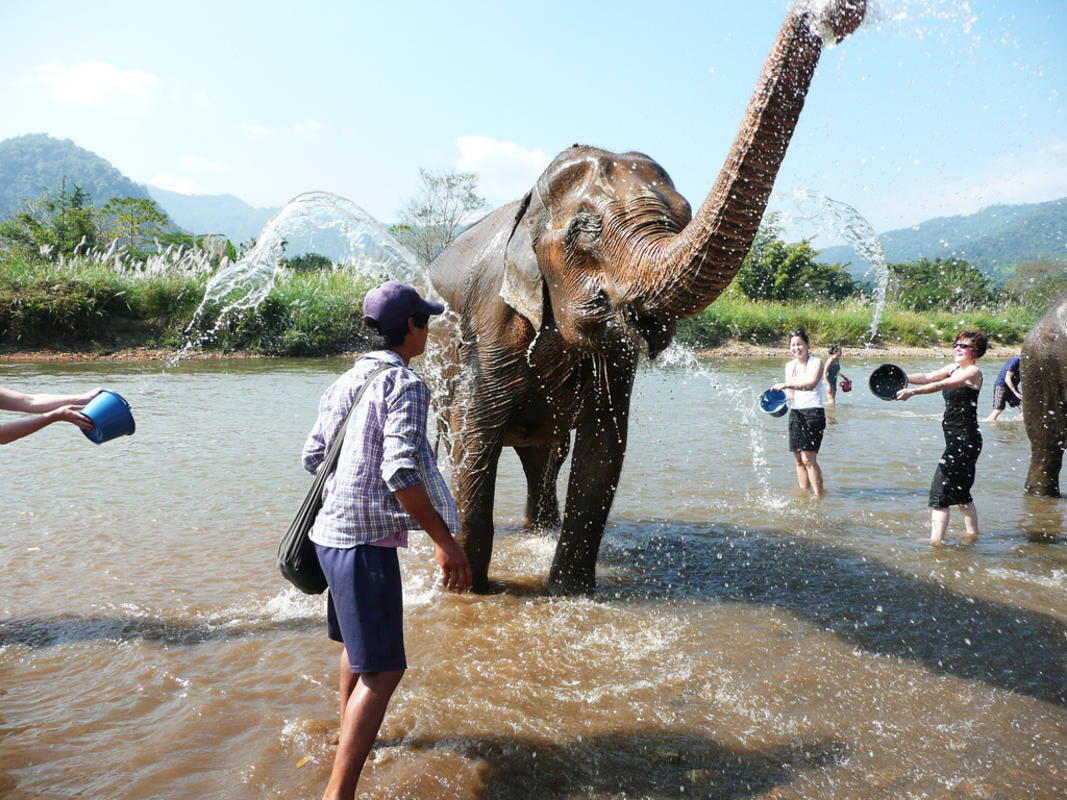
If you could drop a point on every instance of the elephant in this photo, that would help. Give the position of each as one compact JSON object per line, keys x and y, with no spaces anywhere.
{"x":1043,"y":375}
{"x":558,"y":294}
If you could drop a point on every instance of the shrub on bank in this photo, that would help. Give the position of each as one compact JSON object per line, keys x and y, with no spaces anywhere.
{"x":85,"y":302}
{"x":305,"y":314}
{"x":847,"y":323}
{"x":94,"y":302}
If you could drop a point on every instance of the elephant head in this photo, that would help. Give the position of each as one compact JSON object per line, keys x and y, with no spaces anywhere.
{"x":605,"y":237}
{"x":557,"y":292}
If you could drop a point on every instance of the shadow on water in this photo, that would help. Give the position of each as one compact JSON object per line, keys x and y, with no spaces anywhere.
{"x":41,"y":631}
{"x":636,"y":764}
{"x":870,"y":604}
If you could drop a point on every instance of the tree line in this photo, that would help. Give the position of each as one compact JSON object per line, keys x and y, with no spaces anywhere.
{"x":65,"y":223}
{"x":779,"y":271}
{"x":69,"y":272}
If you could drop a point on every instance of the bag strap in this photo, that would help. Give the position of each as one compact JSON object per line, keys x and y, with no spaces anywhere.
{"x":329,"y":464}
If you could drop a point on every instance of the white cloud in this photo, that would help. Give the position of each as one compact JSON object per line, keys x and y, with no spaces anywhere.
{"x":174,"y":183}
{"x":99,"y":84}
{"x":505,"y":170}
{"x":255,"y":130}
{"x":308,"y":126}
{"x":201,"y":163}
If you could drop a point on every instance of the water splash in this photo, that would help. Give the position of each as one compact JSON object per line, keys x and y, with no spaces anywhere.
{"x":678,"y":356}
{"x":922,"y":19}
{"x":310,"y":218}
{"x":825,"y":216}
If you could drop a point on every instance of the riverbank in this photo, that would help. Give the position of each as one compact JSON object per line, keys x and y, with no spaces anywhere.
{"x":729,"y":349}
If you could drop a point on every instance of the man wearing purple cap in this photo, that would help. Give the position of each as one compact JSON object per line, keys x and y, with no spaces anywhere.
{"x":385,"y":484}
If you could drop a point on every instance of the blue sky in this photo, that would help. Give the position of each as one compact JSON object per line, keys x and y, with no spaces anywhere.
{"x":932,"y":108}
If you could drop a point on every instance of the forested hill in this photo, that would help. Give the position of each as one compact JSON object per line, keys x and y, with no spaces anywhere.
{"x":213,"y":213}
{"x":36,"y":164}
{"x":996,"y":239}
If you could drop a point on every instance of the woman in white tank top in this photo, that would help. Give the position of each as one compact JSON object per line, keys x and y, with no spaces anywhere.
{"x":803,"y":385}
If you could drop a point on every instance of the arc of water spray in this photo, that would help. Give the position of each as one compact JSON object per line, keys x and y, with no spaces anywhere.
{"x":841,"y":219}
{"x":245,"y":283}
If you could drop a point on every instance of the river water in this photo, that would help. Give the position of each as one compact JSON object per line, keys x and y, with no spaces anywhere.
{"x":743,"y":641}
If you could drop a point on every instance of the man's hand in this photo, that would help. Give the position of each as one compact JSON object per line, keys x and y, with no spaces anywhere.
{"x":455,"y":569}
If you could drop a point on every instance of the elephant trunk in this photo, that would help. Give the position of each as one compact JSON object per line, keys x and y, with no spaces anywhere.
{"x":678,"y":276}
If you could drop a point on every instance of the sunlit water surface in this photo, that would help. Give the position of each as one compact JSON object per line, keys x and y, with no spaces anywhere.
{"x":743,"y":642}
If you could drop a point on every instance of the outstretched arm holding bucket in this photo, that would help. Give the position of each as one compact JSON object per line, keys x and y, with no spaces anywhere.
{"x":948,"y":377}
{"x":46,"y":408}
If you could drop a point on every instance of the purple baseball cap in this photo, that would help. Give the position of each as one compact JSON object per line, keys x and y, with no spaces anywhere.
{"x":391,"y":304}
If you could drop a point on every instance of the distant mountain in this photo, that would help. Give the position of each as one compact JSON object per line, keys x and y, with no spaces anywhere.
{"x":996,"y":239}
{"x":34,"y":164}
{"x":213,"y":213}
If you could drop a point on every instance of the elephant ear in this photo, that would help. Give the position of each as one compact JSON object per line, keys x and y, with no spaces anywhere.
{"x":523,"y":284}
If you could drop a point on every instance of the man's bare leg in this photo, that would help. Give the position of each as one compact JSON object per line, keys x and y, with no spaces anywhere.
{"x":361,"y":717}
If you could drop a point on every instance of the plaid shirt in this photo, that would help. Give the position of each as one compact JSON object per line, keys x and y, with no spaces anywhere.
{"x":385,"y":450}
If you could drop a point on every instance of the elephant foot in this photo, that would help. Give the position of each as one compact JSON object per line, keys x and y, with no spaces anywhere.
{"x":480,"y":584}
{"x":1043,"y":490}
{"x":570,"y":585}
{"x":544,"y":521}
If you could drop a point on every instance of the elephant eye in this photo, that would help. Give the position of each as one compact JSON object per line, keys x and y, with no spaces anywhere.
{"x":585,"y":224}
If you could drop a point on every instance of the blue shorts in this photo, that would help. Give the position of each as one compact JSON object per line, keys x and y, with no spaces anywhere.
{"x":365,"y":605}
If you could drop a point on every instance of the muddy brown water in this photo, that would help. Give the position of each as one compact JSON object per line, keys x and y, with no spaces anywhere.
{"x":743,"y":641}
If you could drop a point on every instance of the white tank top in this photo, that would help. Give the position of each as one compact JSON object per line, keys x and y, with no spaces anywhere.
{"x":795,"y":372}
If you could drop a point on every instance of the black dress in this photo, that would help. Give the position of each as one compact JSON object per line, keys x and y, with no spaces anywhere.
{"x":963,"y":443}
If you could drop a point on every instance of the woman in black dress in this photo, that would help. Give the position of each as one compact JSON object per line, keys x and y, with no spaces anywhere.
{"x":959,"y":383}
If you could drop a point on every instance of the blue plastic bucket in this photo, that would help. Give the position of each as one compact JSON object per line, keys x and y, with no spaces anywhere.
{"x":773,"y":402}
{"x":111,"y":417}
{"x":887,"y":380}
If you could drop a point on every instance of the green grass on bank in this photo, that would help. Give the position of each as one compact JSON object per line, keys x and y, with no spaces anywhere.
{"x":91,"y":304}
{"x":847,"y":323}
{"x":88,"y":304}
{"x":305,"y":314}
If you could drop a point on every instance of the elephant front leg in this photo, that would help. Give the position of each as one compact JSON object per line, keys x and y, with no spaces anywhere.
{"x":1043,"y":478}
{"x":599,"y":448}
{"x":541,"y":464}
{"x":1046,"y":426}
{"x":474,"y":458}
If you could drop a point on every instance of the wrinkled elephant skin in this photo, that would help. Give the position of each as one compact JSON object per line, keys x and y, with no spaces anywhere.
{"x":558,"y":293}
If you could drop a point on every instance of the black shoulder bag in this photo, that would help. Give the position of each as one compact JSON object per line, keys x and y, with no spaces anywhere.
{"x":297,"y":560}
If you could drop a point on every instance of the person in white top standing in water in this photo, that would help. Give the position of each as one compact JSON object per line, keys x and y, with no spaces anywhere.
{"x":807,"y":420}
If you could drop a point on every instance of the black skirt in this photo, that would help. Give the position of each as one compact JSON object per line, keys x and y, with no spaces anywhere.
{"x":806,"y":426}
{"x":954,"y":475}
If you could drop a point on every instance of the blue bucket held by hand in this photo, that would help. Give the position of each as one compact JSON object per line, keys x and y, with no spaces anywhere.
{"x":111,"y":417}
{"x":773,"y":402}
